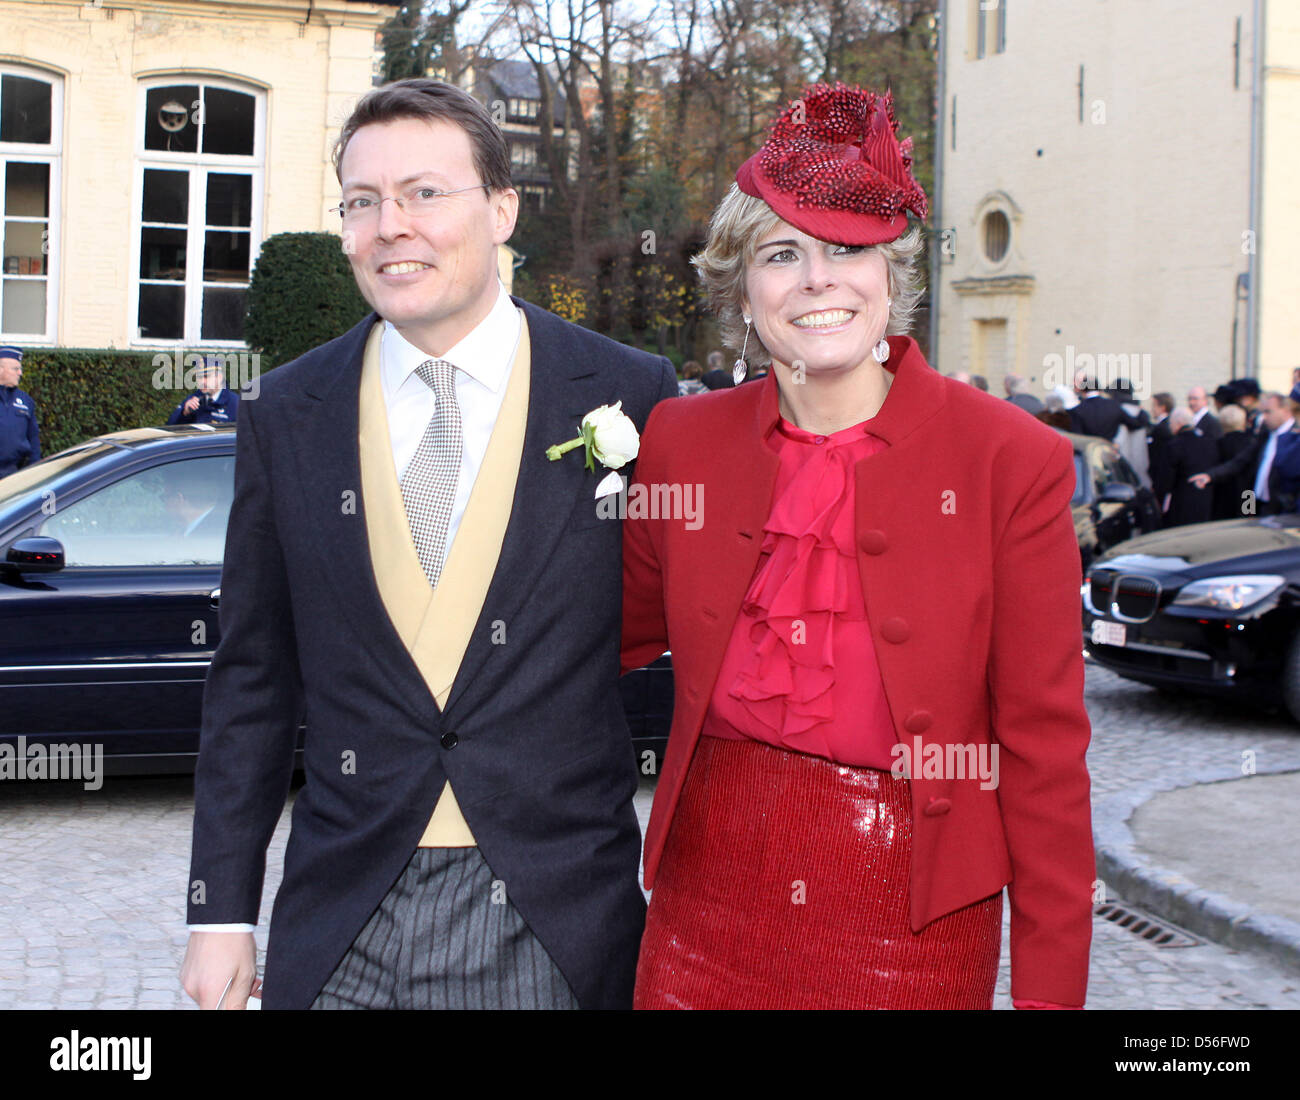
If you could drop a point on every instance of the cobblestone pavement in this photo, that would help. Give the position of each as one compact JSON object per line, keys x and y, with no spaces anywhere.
{"x":92,"y":883}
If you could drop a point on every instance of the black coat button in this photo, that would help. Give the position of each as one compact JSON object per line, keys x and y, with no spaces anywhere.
{"x":449,"y":740}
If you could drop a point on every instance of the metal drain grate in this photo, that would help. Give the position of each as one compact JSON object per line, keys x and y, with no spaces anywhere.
{"x":1145,"y":926}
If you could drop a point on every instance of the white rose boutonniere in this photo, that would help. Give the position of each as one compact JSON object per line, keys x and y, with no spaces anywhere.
{"x":609,"y":436}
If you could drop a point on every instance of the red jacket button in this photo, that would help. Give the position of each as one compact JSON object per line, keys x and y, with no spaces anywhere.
{"x":895,"y":630}
{"x":873,"y":542}
{"x":937,"y":807}
{"x":918,"y":721}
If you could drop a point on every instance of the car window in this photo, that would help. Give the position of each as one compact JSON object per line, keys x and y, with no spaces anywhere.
{"x":1082,"y":476}
{"x":174,"y":514}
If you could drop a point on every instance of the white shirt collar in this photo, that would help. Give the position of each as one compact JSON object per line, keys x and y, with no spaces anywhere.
{"x":486,"y":353}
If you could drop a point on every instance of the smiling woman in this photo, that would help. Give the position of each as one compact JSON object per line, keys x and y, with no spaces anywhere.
{"x":857,"y":587}
{"x":741,"y":222}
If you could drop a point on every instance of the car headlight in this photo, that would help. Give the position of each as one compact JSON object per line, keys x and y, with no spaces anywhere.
{"x":1229,"y":593}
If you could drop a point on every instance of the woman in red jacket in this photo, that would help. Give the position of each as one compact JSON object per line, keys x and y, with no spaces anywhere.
{"x":868,"y":579}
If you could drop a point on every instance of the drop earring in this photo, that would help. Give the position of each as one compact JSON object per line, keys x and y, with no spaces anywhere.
{"x":881,"y":351}
{"x":740,"y":369}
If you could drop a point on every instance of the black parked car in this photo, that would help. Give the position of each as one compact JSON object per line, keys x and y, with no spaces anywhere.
{"x":1110,"y":503}
{"x":110,"y":574}
{"x":1210,"y":607}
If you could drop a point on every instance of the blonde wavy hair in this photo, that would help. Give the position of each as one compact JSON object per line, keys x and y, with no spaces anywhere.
{"x":738,"y":224}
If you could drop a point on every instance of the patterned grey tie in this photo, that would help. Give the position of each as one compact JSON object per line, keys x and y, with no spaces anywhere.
{"x":429,"y":483}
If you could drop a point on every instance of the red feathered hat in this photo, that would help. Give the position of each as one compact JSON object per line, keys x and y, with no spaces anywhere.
{"x":833,"y":167}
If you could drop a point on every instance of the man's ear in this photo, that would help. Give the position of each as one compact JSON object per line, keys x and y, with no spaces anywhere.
{"x":505,"y":212}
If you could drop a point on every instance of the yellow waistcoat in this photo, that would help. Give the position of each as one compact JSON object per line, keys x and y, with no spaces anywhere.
{"x":435,"y":625}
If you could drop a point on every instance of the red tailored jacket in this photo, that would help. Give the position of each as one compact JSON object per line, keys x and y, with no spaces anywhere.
{"x":971,"y":576}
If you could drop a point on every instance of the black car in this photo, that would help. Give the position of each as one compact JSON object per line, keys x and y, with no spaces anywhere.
{"x":1210,"y":607}
{"x":110,"y":575}
{"x":1110,"y":503}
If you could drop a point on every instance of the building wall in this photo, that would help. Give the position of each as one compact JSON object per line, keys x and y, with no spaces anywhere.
{"x":311,"y":60}
{"x":1279,"y":328}
{"x":1127,"y":228}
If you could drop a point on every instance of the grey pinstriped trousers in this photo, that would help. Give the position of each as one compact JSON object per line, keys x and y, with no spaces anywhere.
{"x":443,"y":937}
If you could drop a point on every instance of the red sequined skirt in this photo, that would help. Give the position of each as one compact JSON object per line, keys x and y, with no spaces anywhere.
{"x":784,"y":884}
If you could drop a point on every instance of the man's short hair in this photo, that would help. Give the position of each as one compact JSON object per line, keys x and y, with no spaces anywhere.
{"x":419,"y":97}
{"x":1164,"y":400}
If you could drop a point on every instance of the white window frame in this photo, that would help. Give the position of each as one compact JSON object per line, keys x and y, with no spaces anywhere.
{"x":51,"y":154}
{"x":199,"y":166}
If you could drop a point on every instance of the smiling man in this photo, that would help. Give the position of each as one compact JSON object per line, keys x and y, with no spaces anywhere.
{"x":439,"y":604}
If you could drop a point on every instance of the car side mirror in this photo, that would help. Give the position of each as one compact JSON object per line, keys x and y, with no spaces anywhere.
{"x":34,"y":554}
{"x":1118,"y":492}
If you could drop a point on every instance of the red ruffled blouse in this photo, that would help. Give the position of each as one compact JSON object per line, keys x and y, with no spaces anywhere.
{"x":800,"y":670}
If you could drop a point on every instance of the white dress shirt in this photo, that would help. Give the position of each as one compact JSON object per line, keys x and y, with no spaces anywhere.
{"x":483,"y":360}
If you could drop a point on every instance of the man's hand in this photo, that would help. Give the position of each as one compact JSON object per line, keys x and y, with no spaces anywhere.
{"x":1200,"y":480}
{"x":189,"y":407}
{"x":211,"y":960}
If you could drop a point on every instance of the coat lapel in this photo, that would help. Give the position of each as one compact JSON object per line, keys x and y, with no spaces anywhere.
{"x":323,"y":429}
{"x":737,"y":502}
{"x":563,"y":389}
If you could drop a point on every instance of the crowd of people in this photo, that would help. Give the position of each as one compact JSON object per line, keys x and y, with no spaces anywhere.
{"x":1239,"y":458}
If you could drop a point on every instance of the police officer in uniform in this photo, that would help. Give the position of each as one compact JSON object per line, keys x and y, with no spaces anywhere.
{"x":211,"y":403}
{"x":20,"y":439}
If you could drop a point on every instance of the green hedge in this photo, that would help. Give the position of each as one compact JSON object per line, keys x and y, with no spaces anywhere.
{"x":302,"y":294}
{"x":84,"y":392}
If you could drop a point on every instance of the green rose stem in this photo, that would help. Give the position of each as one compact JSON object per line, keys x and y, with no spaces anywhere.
{"x":587,"y":438}
{"x":554,"y":452}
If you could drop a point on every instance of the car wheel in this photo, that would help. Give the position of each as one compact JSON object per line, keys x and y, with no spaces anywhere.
{"x":1291,"y":678}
